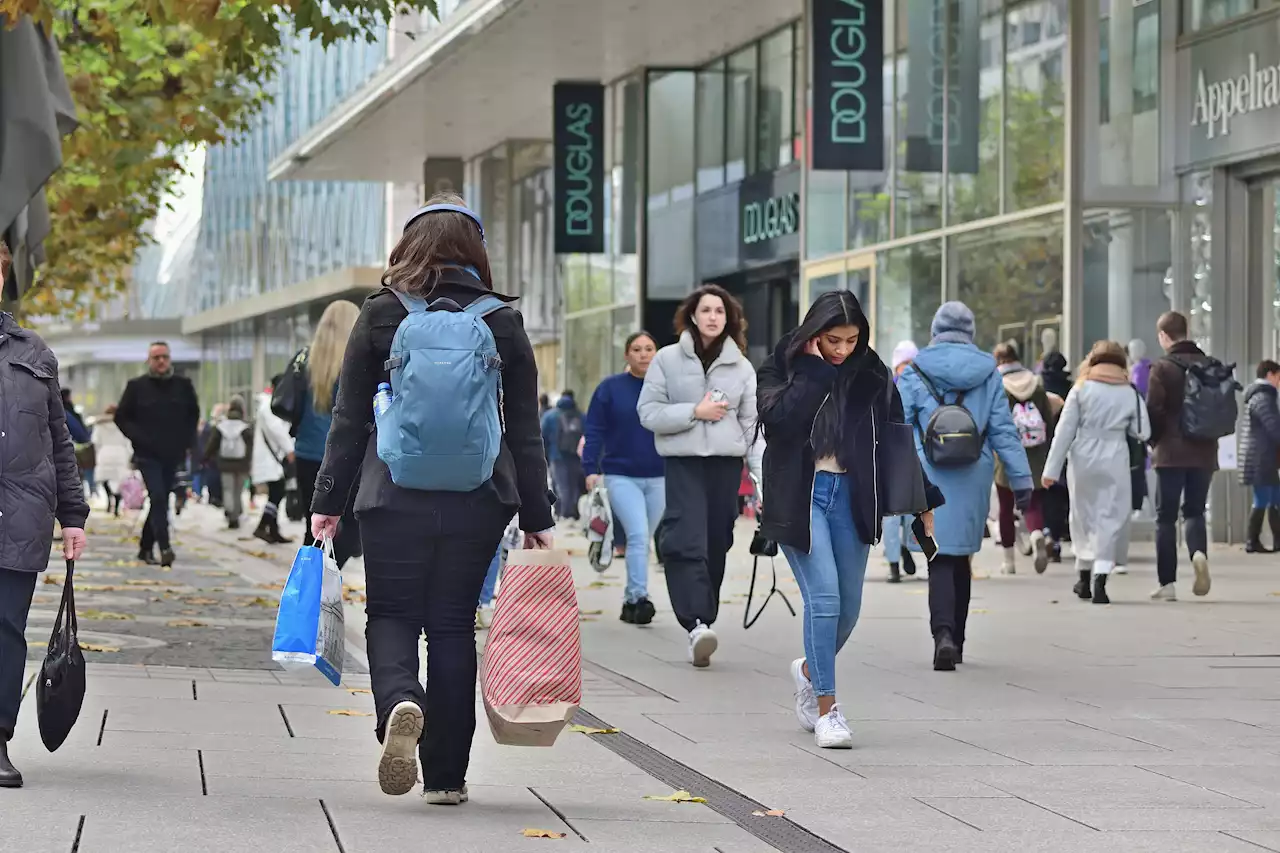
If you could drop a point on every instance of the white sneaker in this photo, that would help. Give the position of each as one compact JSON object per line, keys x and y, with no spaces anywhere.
{"x":1008,"y":566}
{"x":702,"y":645}
{"x":832,"y":731}
{"x":398,"y":767}
{"x":1168,"y":592}
{"x":1024,"y":544}
{"x":446,"y":798}
{"x":1200,"y":562}
{"x":1040,"y":546}
{"x":1120,"y":570}
{"x":806,"y":699}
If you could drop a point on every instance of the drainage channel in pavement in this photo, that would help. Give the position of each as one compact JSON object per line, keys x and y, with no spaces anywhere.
{"x":779,"y":832}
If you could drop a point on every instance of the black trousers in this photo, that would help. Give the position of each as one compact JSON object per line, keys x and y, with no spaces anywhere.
{"x":950,"y":585}
{"x":1190,"y":488}
{"x":422,"y":580}
{"x":696,"y":533}
{"x":347,"y":543}
{"x":161,"y":478}
{"x":16,"y":590}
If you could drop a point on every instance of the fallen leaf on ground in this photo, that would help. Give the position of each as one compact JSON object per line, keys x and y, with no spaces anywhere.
{"x":590,"y":612}
{"x":261,"y":555}
{"x":588,"y":730}
{"x":186,"y":623}
{"x":257,"y":601}
{"x":769,"y":813}
{"x":105,"y":615}
{"x":978,"y":610}
{"x":275,"y":586}
{"x":94,"y":573}
{"x":56,"y":580}
{"x":678,"y":797}
{"x":188,"y":612}
{"x":97,"y":587}
{"x":541,"y":833}
{"x":598,"y":585}
{"x":1270,"y":593}
{"x":199,"y":600}
{"x":125,"y":564}
{"x":348,"y":712}
{"x":216,"y":574}
{"x":142,"y":582}
{"x":359,"y":691}
{"x":587,"y":619}
{"x":94,"y":647}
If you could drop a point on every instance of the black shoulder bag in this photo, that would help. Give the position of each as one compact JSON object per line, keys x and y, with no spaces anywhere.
{"x":60,"y":691}
{"x":290,"y":394}
{"x":900,"y":479}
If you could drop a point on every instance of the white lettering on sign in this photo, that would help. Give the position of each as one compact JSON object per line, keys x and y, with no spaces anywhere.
{"x":1219,"y":102}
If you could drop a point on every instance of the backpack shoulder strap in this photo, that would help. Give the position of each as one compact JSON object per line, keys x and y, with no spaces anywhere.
{"x":929,"y":386}
{"x":484,"y":306}
{"x":412,"y":304}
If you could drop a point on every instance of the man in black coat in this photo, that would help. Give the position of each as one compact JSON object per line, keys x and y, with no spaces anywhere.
{"x":1259,"y":446}
{"x":159,"y":412}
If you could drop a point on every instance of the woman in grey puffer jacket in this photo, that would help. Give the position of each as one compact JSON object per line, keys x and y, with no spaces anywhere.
{"x":39,"y":484}
{"x":699,"y":401}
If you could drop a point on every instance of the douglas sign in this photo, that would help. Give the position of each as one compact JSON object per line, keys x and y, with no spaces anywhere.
{"x":579,"y":168}
{"x":848,"y":85}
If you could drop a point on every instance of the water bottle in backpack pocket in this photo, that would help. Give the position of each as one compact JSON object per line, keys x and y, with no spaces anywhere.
{"x":443,"y":428}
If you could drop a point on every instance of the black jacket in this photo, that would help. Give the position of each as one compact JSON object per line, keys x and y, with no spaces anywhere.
{"x":159,"y":416}
{"x":520,"y":476}
{"x":788,"y":424}
{"x":1260,"y":436}
{"x":39,"y":479}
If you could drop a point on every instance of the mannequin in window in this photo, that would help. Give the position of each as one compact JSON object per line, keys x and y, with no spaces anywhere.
{"x":1048,"y":345}
{"x":1139,"y":365}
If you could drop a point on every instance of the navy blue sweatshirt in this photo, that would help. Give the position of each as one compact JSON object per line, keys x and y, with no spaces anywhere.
{"x":616,"y":443}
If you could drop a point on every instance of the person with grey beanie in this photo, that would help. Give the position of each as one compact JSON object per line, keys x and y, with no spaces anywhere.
{"x":952,"y":373}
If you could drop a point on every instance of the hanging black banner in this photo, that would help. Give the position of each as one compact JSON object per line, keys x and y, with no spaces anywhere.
{"x":847,"y":51}
{"x":943,"y":68}
{"x":579,"y":168}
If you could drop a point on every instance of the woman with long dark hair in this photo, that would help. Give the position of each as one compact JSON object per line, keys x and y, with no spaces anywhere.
{"x":699,"y":401}
{"x":622,"y":451}
{"x":427,"y":552}
{"x":825,"y":397}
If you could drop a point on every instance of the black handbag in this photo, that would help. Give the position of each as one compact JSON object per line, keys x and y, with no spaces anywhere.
{"x":289,"y":395}
{"x":1137,"y":458}
{"x":60,"y":691}
{"x":900,"y":478}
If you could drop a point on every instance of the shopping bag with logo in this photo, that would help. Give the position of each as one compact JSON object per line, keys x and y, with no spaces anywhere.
{"x":531,"y":677}
{"x":309,"y":624}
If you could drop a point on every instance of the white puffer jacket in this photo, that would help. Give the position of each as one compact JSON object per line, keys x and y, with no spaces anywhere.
{"x":271,"y":444}
{"x":676,"y":384}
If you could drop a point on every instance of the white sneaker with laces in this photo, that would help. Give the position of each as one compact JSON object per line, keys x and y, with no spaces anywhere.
{"x":1168,"y":592}
{"x":446,"y":798}
{"x":1008,"y":565}
{"x":1200,"y":562}
{"x":1040,"y":545}
{"x":806,"y":699}
{"x":702,"y":645}
{"x":832,"y":731}
{"x":398,"y":766}
{"x":1120,"y":570}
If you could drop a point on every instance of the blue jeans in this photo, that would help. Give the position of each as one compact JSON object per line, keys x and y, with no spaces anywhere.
{"x":830,"y":577}
{"x":638,"y":504}
{"x":491,"y":578}
{"x":1266,"y":496}
{"x":897,"y":535}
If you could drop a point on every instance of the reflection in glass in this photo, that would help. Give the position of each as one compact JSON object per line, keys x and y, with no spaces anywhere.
{"x":1125,"y":147}
{"x":711,"y":116}
{"x":670,"y":137}
{"x":908,"y":293}
{"x":1128,"y":252}
{"x":974,"y":196}
{"x":1198,"y":314}
{"x":1011,"y":277}
{"x":740,"y":135}
{"x":823,"y":215}
{"x":825,"y":284}
{"x":1198,"y":14}
{"x":1034,"y":131}
{"x":869,"y":194}
{"x":919,"y":194}
{"x":777,"y":90}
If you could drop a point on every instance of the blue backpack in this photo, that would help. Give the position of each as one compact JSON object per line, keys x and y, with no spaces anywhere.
{"x":443,"y":429}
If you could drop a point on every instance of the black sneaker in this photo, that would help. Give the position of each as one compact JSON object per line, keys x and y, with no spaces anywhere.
{"x":148,"y":558}
{"x":644,"y":611}
{"x":895,"y":575}
{"x":944,"y":652}
{"x":628,"y":613}
{"x":166,"y":556}
{"x":908,"y":563}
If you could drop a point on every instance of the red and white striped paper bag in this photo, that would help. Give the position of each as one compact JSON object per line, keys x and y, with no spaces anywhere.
{"x":531,"y":677}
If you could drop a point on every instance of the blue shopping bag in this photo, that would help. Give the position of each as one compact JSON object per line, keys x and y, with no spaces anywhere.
{"x":309,"y":624}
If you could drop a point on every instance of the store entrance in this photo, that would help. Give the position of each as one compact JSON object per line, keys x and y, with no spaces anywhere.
{"x":769,"y":300}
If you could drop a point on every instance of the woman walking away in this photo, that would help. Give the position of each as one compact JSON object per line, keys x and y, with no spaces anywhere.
{"x":1034,"y":411}
{"x":822,"y":394}
{"x":1057,"y":501}
{"x":1103,"y":413}
{"x":40,"y":486}
{"x":319,"y":365}
{"x":232,"y":445}
{"x":272,"y":453}
{"x":114,"y":452}
{"x":1260,"y":446}
{"x":623,"y":451}
{"x":699,"y":401}
{"x":954,"y":396}
{"x":427,"y":550}
{"x":897,"y":529}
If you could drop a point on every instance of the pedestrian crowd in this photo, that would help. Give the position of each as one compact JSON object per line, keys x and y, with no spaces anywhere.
{"x":435,"y":470}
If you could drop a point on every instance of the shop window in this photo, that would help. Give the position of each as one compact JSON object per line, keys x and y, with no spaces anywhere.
{"x":1200,"y":218}
{"x":1011,"y":278}
{"x":1199,"y":14}
{"x":710,"y":112}
{"x":671,"y":120}
{"x":869,"y":192}
{"x":824,"y":214}
{"x":908,"y":292}
{"x":777,"y":89}
{"x":1128,"y":263}
{"x":918,"y":193}
{"x":1034,"y":124}
{"x":974,"y":181}
{"x":740,"y":135}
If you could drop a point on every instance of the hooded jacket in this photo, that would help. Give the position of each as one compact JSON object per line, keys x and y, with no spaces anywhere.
{"x":232,"y":426}
{"x":39,"y":479}
{"x":1260,"y":435}
{"x":955,"y":367}
{"x":159,"y":415}
{"x":1165,"y":398}
{"x":1023,"y":387}
{"x":793,"y":392}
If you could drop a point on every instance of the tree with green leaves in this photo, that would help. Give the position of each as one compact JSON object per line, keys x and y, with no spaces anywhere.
{"x":150,"y":78}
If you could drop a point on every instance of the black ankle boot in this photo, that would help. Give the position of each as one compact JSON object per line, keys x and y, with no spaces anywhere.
{"x":273,"y":528}
{"x":263,"y":530}
{"x":9,"y":775}
{"x":1253,"y":533}
{"x":944,"y":652}
{"x":908,"y":562}
{"x":895,"y":575}
{"x":1100,"y":590}
{"x":1081,"y":588}
{"x":1273,"y":517}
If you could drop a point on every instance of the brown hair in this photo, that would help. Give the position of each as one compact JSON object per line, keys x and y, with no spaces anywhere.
{"x":1173,"y":324}
{"x":1006,"y":353}
{"x":432,"y":242}
{"x":735,"y":322}
{"x":1107,"y":352}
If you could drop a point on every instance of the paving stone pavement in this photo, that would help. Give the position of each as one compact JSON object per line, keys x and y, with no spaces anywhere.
{"x":1134,"y":727}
